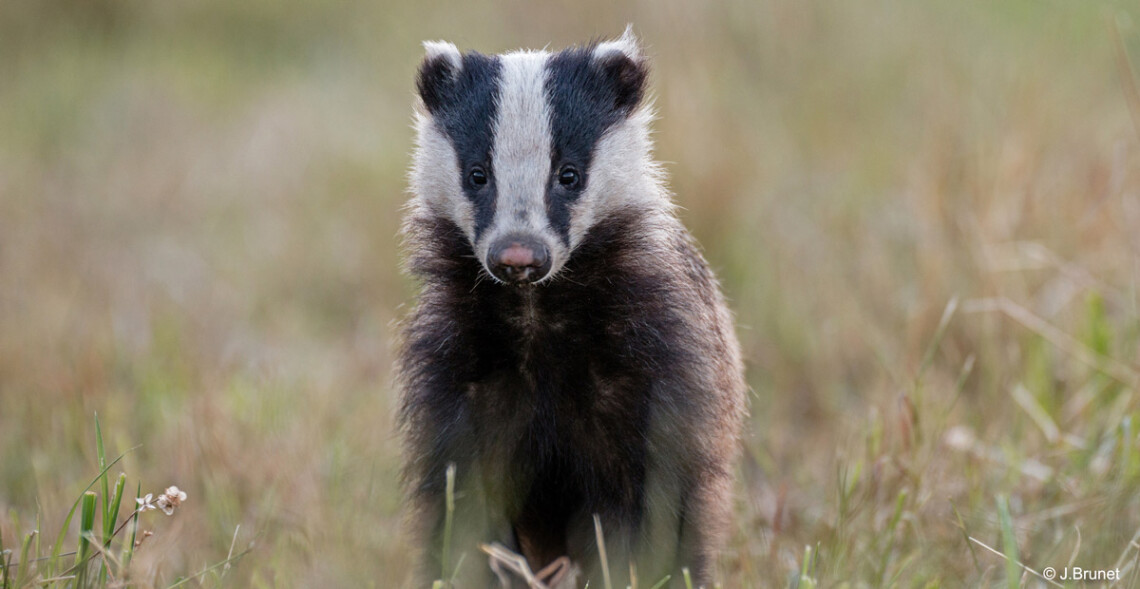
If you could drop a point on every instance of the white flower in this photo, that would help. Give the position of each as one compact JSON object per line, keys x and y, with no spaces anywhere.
{"x":172,"y":498}
{"x":145,"y":502}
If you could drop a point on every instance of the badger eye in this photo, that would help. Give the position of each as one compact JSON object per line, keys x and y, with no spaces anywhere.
{"x":569,"y":177}
{"x":477,"y":176}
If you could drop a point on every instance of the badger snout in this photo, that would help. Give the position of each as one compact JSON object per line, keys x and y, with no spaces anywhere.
{"x":518,"y":259}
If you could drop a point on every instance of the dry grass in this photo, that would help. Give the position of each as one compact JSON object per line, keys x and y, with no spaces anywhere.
{"x":198,"y":209}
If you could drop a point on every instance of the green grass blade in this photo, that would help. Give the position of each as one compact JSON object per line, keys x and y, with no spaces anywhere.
{"x":212,"y":567}
{"x":448,"y":519}
{"x":113,"y":504}
{"x":110,"y":518}
{"x":39,"y":526}
{"x":602,"y":552}
{"x":885,"y":558}
{"x":57,"y":549}
{"x":1009,"y":544}
{"x":1099,"y":328}
{"x":25,"y":564}
{"x":101,"y":456}
{"x":806,"y":580}
{"x":455,"y":569}
{"x":129,"y":548}
{"x":86,"y":525}
{"x":966,"y":538}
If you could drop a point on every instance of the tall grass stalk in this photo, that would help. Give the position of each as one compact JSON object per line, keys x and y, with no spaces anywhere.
{"x":448,"y":522}
{"x":129,"y":545}
{"x":602,"y":552}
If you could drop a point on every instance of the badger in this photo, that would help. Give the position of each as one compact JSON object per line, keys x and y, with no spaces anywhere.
{"x":571,"y":358}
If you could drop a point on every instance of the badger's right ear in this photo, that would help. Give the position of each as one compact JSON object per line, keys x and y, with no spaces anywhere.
{"x":438,"y":74}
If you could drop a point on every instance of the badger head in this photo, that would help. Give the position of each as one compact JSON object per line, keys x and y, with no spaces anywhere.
{"x":526,"y":151}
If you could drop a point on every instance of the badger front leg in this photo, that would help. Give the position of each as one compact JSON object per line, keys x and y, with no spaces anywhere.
{"x":441,"y":438}
{"x":686,"y":503}
{"x":648,"y":541}
{"x":706,"y":517}
{"x":452,"y":549}
{"x":680,"y":531}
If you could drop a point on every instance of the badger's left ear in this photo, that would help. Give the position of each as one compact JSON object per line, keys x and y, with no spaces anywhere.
{"x":624,"y":66}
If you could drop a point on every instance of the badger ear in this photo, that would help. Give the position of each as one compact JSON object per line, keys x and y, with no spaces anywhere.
{"x":438,"y":73}
{"x":624,"y":66}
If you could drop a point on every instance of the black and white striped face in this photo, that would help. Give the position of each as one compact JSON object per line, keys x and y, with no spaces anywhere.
{"x":526,"y":151}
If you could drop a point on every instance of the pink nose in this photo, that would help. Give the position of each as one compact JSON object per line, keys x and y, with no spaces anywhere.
{"x":517,"y":255}
{"x":518,"y":259}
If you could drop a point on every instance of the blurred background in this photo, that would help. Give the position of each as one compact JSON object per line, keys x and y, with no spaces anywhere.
{"x":926,"y":216}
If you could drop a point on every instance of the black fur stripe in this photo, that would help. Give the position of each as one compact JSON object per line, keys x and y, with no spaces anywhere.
{"x":587,"y":96}
{"x":464,"y":105}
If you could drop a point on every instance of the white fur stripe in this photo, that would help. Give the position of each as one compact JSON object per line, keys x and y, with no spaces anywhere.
{"x":521,"y":158}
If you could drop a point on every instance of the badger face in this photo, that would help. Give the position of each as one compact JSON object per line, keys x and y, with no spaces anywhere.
{"x":525,"y":151}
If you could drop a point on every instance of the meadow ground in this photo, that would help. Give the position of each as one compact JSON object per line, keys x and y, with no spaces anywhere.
{"x":926,"y":215}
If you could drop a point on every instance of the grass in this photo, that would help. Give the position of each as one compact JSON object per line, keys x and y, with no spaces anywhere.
{"x":95,"y":562}
{"x":925,"y":216}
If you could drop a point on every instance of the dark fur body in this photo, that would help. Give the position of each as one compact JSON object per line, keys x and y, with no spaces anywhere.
{"x":614,"y":389}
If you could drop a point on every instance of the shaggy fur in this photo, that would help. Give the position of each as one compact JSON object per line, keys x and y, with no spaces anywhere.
{"x":613,"y":387}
